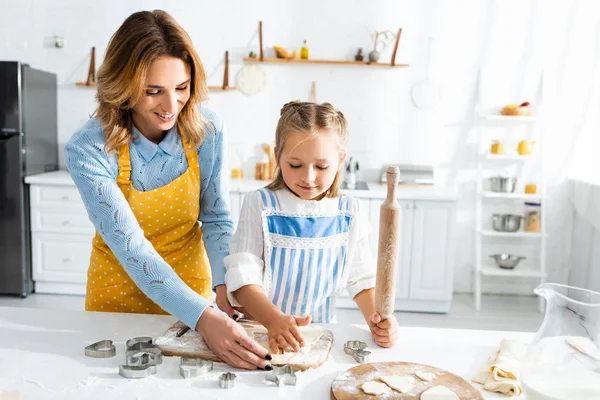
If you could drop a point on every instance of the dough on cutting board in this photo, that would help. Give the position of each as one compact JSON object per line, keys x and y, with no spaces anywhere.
{"x":439,"y":393}
{"x":311,"y":335}
{"x":375,"y":388}
{"x":425,"y":376}
{"x":399,"y":383}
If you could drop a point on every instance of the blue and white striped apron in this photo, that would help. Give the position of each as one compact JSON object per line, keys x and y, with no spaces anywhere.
{"x":305,"y":257}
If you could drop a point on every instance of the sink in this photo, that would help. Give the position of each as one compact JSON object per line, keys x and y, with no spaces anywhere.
{"x":360,"y":185}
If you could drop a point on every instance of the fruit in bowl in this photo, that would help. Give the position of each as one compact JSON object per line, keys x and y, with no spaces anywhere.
{"x":283,"y":53}
{"x":522,"y":110}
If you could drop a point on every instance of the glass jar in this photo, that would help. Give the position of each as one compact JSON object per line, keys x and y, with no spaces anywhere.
{"x":533,"y":217}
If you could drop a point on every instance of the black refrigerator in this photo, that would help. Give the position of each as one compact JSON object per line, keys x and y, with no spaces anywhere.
{"x":28,"y":146}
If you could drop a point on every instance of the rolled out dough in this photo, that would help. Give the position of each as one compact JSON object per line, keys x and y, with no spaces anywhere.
{"x":375,"y":388}
{"x":399,"y":383}
{"x":425,"y":376}
{"x":439,"y":393}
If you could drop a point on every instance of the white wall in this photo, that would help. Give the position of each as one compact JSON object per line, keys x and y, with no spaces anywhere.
{"x":385,"y":126}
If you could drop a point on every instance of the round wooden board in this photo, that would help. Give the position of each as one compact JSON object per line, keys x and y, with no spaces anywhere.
{"x":347,"y":385}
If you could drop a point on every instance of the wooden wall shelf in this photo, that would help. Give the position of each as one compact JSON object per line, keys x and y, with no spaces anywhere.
{"x":330,"y":62}
{"x":220,"y":88}
{"x":91,"y":84}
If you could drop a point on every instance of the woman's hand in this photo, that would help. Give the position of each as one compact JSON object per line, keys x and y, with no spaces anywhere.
{"x":284,"y":332}
{"x":223,"y":303}
{"x":229,"y":341}
{"x":385,"y":333}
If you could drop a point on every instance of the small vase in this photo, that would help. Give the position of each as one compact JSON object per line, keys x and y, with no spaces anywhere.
{"x":374,"y":56}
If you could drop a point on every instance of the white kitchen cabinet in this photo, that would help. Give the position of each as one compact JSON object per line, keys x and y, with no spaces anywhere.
{"x":425,"y":270}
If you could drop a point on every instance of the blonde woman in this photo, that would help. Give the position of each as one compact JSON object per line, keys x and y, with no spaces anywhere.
{"x":299,"y":242}
{"x":149,"y":167}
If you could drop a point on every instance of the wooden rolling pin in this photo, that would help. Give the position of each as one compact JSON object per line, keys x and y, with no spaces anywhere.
{"x":387,"y":255}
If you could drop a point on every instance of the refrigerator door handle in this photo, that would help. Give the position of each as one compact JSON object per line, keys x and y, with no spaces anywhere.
{"x":6,"y":133}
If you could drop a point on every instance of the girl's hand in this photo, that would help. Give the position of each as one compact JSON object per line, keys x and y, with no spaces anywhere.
{"x":385,"y":333}
{"x":284,"y":332}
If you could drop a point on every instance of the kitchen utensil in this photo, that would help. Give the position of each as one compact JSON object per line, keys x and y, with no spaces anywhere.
{"x":387,"y":255}
{"x":101,"y":349}
{"x":227,"y":380}
{"x":426,"y":94}
{"x":143,"y":353}
{"x":506,"y":260}
{"x":139,"y":339}
{"x":347,"y":385}
{"x":251,"y":79}
{"x":525,"y":147}
{"x":284,"y":375}
{"x":194,"y":367}
{"x":181,"y":342}
{"x":502,"y":184}
{"x":356,"y":349}
{"x":506,"y":222}
{"x":563,"y":359}
{"x":137,"y":371}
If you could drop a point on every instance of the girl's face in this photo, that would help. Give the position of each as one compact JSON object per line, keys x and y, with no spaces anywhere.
{"x":167,"y":90}
{"x":310,"y":162}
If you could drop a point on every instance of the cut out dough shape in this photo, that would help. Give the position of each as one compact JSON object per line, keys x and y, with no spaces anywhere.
{"x":425,"y":376}
{"x":399,"y":383}
{"x":375,"y":388}
{"x":439,"y":393}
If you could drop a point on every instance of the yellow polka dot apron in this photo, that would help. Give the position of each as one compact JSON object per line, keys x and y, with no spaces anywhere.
{"x":169,"y":218}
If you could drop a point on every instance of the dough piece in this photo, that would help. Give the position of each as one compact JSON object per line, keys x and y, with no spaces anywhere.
{"x":375,"y":388}
{"x":399,"y":383}
{"x":439,"y":393}
{"x":425,"y":376}
{"x":311,"y":335}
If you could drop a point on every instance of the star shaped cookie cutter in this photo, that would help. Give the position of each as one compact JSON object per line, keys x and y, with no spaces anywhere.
{"x":356,"y":349}
{"x":284,"y":375}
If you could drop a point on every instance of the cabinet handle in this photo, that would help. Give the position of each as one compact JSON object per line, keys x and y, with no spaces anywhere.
{"x":65,"y":198}
{"x":66,"y":222}
{"x":68,"y":259}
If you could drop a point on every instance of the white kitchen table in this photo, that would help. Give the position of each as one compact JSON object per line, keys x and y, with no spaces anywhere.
{"x":42,"y":357}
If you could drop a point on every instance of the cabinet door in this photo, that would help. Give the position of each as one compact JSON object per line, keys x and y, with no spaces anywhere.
{"x":60,"y":258}
{"x":432,"y":259}
{"x":405,"y":243}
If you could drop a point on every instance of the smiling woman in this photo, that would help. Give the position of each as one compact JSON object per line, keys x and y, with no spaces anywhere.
{"x":148,"y":167}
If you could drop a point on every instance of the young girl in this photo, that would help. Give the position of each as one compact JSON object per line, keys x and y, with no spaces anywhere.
{"x":300,"y":242}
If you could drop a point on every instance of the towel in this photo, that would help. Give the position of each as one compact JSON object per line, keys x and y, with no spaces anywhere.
{"x":502,"y":370}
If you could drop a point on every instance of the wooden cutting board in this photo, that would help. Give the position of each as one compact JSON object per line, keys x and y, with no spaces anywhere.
{"x":347,"y":386}
{"x":182,"y":342}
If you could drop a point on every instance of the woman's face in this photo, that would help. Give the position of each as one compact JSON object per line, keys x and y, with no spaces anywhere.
{"x":167,"y":89}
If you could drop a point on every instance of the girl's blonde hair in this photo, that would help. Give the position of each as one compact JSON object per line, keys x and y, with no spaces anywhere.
{"x":309,"y":118}
{"x":142,"y":38}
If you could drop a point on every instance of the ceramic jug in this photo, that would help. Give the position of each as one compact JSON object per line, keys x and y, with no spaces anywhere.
{"x":525,"y":147}
{"x":563,"y":360}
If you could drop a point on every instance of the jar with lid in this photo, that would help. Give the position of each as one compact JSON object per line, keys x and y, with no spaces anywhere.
{"x":533,"y":217}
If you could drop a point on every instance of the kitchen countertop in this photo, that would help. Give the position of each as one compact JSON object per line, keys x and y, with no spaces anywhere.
{"x":376,"y":189}
{"x":42,"y":356}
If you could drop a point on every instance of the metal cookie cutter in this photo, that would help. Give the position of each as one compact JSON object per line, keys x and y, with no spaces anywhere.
{"x":139,"y":339}
{"x":137,"y":371}
{"x":227,"y":380}
{"x":284,"y":375}
{"x":356,"y":349}
{"x":143,"y":353}
{"x":193,"y":367}
{"x":101,"y":349}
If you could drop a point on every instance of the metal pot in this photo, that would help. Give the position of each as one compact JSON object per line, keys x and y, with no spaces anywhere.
{"x":506,"y":260}
{"x":502,"y":184}
{"x":506,"y":222}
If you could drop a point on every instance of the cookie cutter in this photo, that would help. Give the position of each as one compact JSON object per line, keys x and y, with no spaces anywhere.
{"x":137,"y":371}
{"x":143,"y":353}
{"x":356,"y":349}
{"x":227,"y":380}
{"x":139,"y":339}
{"x":101,"y":349}
{"x":194,"y":367}
{"x":283,"y":375}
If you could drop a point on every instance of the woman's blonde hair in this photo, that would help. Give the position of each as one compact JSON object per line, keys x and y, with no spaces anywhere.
{"x":142,"y":38}
{"x":309,"y":118}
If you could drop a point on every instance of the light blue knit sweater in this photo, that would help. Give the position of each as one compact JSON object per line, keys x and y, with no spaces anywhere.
{"x":154,"y":166}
